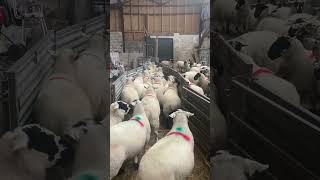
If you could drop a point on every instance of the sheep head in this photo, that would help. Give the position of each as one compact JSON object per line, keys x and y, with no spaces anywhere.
{"x":120,"y":108}
{"x":180,"y":116}
{"x":227,"y":166}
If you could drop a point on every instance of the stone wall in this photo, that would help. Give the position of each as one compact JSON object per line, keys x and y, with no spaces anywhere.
{"x":183,"y":46}
{"x":116,"y":42}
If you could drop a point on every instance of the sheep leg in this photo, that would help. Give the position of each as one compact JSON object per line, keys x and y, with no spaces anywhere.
{"x":157,"y":135}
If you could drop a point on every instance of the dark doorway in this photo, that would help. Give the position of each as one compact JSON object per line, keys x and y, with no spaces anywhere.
{"x":165,"y":48}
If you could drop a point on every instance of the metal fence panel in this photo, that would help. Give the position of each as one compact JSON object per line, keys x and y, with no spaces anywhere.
{"x":25,"y":77}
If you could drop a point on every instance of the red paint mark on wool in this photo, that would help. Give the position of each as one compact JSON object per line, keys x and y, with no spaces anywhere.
{"x":260,"y":71}
{"x":312,"y":56}
{"x":185,"y":137}
{"x":141,"y":124}
{"x":59,"y":78}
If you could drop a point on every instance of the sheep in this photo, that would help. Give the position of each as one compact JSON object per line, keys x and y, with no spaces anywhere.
{"x":298,"y":66}
{"x":171,"y":100}
{"x":61,"y":101}
{"x":90,"y":153}
{"x":129,"y":92}
{"x":117,"y":112}
{"x":91,"y":73}
{"x":24,"y":152}
{"x":168,"y":63}
{"x":129,"y":138}
{"x":202,"y":81}
{"x":159,"y":88}
{"x":278,"y":86}
{"x":225,"y":166}
{"x":190,"y":76}
{"x":230,"y":12}
{"x":152,"y":109}
{"x":14,"y":166}
{"x":139,"y":85}
{"x":195,"y":87}
{"x":182,"y":66}
{"x":195,"y":69}
{"x":275,"y":25}
{"x":257,"y":46}
{"x":172,"y":157}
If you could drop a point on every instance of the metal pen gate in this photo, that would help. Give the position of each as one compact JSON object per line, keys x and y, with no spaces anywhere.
{"x":22,"y":81}
{"x":262,"y":124}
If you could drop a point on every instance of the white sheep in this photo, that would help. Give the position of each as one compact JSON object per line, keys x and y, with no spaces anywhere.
{"x":195,"y":87}
{"x":159,"y":88}
{"x":91,"y":73}
{"x":275,"y":25}
{"x":61,"y":102}
{"x":168,"y":63}
{"x":128,"y":138}
{"x":139,"y":85}
{"x":257,"y":45}
{"x":172,"y":157}
{"x":278,"y":86}
{"x":129,"y":92}
{"x":227,"y":13}
{"x":171,"y":99}
{"x":20,"y":166}
{"x":225,"y":166}
{"x":152,"y":109}
{"x":117,"y":112}
{"x":298,"y":65}
{"x":90,"y":153}
{"x":24,"y":152}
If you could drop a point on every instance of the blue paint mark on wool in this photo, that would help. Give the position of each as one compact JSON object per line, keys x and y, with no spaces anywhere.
{"x":88,"y":177}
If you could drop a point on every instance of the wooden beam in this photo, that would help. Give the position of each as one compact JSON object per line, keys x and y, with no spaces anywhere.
{"x":161,"y":17}
{"x":169,"y":17}
{"x":131,"y":18}
{"x":185,"y":16}
{"x":159,"y":14}
{"x":138,"y":15}
{"x":173,"y":5}
{"x":122,"y":28}
{"x":154,"y":19}
{"x":177,"y":17}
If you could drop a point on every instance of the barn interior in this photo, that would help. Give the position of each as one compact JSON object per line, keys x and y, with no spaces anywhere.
{"x":149,"y":35}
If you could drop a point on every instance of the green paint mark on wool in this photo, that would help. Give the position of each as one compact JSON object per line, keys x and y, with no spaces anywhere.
{"x":88,"y":177}
{"x":179,"y":129}
{"x":137,"y":117}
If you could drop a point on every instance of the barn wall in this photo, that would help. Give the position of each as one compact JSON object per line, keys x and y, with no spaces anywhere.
{"x":116,"y":42}
{"x":176,"y":16}
{"x":183,"y":46}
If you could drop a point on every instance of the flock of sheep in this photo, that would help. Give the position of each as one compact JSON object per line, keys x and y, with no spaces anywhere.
{"x":68,"y":113}
{"x":197,"y":75}
{"x":171,"y":157}
{"x":282,"y":44}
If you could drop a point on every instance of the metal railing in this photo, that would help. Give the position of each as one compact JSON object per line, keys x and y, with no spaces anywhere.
{"x":22,"y":81}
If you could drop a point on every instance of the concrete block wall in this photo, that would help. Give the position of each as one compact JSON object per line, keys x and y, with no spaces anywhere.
{"x":134,"y":46}
{"x":183,"y":46}
{"x":130,"y":60}
{"x":116,"y":42}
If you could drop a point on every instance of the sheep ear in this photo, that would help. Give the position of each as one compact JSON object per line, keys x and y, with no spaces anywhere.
{"x":173,"y":115}
{"x":115,"y":106}
{"x":52,"y":53}
{"x":188,"y":114}
{"x":253,"y":166}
